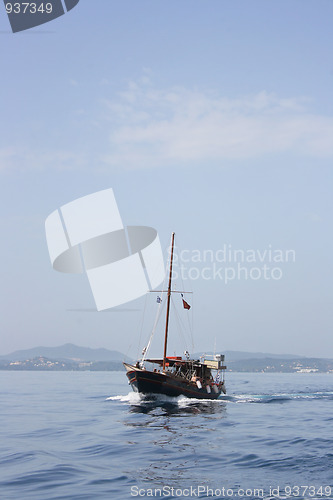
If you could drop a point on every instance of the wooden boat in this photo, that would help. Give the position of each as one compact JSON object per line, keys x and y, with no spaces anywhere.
{"x":174,"y":375}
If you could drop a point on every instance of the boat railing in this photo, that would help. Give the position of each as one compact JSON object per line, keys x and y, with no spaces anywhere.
{"x":213,"y":361}
{"x":216,"y":357}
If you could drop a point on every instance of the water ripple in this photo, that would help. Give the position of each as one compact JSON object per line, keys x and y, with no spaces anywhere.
{"x":59,"y":441}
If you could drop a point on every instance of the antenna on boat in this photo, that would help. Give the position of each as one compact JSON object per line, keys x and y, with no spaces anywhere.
{"x":168,"y":303}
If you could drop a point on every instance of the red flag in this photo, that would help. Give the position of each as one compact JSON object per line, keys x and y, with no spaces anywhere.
{"x":186,"y":305}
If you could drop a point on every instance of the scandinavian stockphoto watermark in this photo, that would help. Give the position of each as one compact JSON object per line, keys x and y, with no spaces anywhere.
{"x":204,"y":491}
{"x":24,"y":15}
{"x":87,"y":235}
{"x":228,"y":264}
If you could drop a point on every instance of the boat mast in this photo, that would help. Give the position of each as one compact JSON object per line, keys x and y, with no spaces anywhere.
{"x":168,"y":303}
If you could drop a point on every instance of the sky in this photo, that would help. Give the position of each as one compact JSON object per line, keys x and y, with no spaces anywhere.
{"x":211,"y":119}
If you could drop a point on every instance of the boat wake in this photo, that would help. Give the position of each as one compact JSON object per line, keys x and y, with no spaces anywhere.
{"x":134,"y":398}
{"x":278,"y":397}
{"x":131,"y":397}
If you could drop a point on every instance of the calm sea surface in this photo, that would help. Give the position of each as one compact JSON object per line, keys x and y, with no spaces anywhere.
{"x":85,"y":435}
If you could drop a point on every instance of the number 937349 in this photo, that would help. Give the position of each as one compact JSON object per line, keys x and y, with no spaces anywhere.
{"x":28,"y":8}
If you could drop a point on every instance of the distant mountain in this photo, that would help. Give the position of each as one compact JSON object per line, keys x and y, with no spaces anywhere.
{"x":78,"y":353}
{"x":300,"y":365}
{"x":67,"y":351}
{"x":242,"y":355}
{"x":72,"y":357}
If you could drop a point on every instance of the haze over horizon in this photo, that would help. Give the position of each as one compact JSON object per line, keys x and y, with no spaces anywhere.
{"x":213,"y":120}
{"x":101,"y":348}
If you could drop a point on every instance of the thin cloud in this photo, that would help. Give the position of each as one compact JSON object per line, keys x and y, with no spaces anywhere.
{"x":146,"y":127}
{"x":22,"y":158}
{"x":153,"y":127}
{"x":7,"y":156}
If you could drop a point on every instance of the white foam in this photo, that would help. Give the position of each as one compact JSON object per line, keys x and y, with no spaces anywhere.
{"x":131,"y":397}
{"x":135,"y":398}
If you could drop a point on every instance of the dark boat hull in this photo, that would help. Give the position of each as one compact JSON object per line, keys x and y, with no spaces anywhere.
{"x":149,"y":382}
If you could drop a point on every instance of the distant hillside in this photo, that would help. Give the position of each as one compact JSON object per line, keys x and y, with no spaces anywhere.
{"x":78,"y":353}
{"x":72,"y":357}
{"x":67,"y":351}
{"x":41,"y":363}
{"x":274,"y":365}
{"x":242,"y":355}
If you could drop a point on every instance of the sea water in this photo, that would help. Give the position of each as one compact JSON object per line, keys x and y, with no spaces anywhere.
{"x":86,"y":435}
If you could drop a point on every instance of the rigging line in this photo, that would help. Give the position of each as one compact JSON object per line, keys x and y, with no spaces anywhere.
{"x":132,"y":343}
{"x":190,"y":316}
{"x":141,"y":329}
{"x":179,"y":324}
{"x":128,"y":350}
{"x":189,"y":319}
{"x":157,"y":318}
{"x":155,"y":268}
{"x":191,"y":323}
{"x":130,"y":347}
